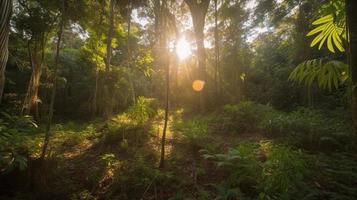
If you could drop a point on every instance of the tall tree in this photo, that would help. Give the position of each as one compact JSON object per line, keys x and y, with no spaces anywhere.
{"x":198,"y":11}
{"x":5,"y":14}
{"x":53,"y":95}
{"x":164,"y":44}
{"x":216,"y":45}
{"x":108,"y":108}
{"x":351,"y":7}
{"x":35,"y":20}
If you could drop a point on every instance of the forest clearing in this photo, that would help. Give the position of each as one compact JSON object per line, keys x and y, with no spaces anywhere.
{"x":178,"y":99}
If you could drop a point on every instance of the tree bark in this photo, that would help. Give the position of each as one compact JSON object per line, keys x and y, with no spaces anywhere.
{"x":198,"y":11}
{"x":351,"y":8}
{"x":32,"y":99}
{"x":5,"y":15}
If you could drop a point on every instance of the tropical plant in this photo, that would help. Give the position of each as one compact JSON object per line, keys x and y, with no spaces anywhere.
{"x":331,"y":28}
{"x":327,"y":73}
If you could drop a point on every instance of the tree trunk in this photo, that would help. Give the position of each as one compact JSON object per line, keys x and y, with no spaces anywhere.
{"x":166,"y":65}
{"x":216,"y":46}
{"x":351,"y":8}
{"x":110,"y":35}
{"x":5,"y":15}
{"x":36,"y":58}
{"x":131,"y":82}
{"x":198,"y":11}
{"x":108,"y":107}
{"x":53,"y":95}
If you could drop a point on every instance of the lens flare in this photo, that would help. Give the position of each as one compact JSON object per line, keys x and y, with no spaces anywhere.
{"x":198,"y":85}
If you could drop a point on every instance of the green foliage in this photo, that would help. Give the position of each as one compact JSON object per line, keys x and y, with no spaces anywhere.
{"x":337,"y":179}
{"x":15,"y":144}
{"x":243,"y":117}
{"x":331,"y":28}
{"x":308,"y":128}
{"x":83,"y":195}
{"x":261,"y":171}
{"x":132,"y":179}
{"x":193,"y":131}
{"x":327,"y":73}
{"x":283,"y":173}
{"x":142,"y":110}
{"x":330,"y":32}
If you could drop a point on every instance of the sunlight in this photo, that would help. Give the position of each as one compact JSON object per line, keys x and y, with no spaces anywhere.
{"x":183,"y":49}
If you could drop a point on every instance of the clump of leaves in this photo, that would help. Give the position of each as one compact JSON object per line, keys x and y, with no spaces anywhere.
{"x":193,"y":131}
{"x":260,"y":171}
{"x":14,"y":141}
{"x":142,"y":110}
{"x":243,"y":117}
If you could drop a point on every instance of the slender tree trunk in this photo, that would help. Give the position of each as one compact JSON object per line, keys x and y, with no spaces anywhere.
{"x":166,"y":64}
{"x":95,"y":96}
{"x":216,"y":41}
{"x":108,"y":107}
{"x":110,"y":36}
{"x":5,"y":15}
{"x":131,"y":82}
{"x":351,"y":8}
{"x":53,"y":95}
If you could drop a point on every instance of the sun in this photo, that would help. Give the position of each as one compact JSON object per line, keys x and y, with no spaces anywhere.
{"x":183,"y":49}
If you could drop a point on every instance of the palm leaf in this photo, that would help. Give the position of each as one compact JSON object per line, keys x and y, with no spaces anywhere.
{"x":328,"y":74}
{"x":328,"y":32}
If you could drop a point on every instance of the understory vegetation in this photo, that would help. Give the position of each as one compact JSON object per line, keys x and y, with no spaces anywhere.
{"x":240,"y":151}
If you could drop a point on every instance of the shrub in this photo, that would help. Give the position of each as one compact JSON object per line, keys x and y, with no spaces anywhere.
{"x":142,"y":110}
{"x":14,"y":141}
{"x":244,"y":117}
{"x":193,"y":131}
{"x":261,"y":171}
{"x":307,"y":128}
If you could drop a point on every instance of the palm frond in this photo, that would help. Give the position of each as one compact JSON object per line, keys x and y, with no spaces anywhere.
{"x":329,"y":32}
{"x":328,"y":74}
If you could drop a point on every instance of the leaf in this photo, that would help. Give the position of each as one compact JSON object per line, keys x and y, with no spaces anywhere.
{"x":328,"y":32}
{"x":328,"y":74}
{"x":323,"y":20}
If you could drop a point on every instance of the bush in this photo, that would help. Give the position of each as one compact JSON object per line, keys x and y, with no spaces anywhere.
{"x":261,"y":171}
{"x":193,"y":131}
{"x":15,"y":144}
{"x":243,"y":117}
{"x":307,"y":128}
{"x":142,"y":110}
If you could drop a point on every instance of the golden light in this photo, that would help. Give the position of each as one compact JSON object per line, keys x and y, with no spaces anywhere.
{"x":198,"y":85}
{"x":183,"y":49}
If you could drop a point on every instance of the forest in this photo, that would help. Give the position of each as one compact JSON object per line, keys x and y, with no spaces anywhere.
{"x":178,"y":99}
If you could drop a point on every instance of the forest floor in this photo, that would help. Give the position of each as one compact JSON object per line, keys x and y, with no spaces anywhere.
{"x":118,"y":159}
